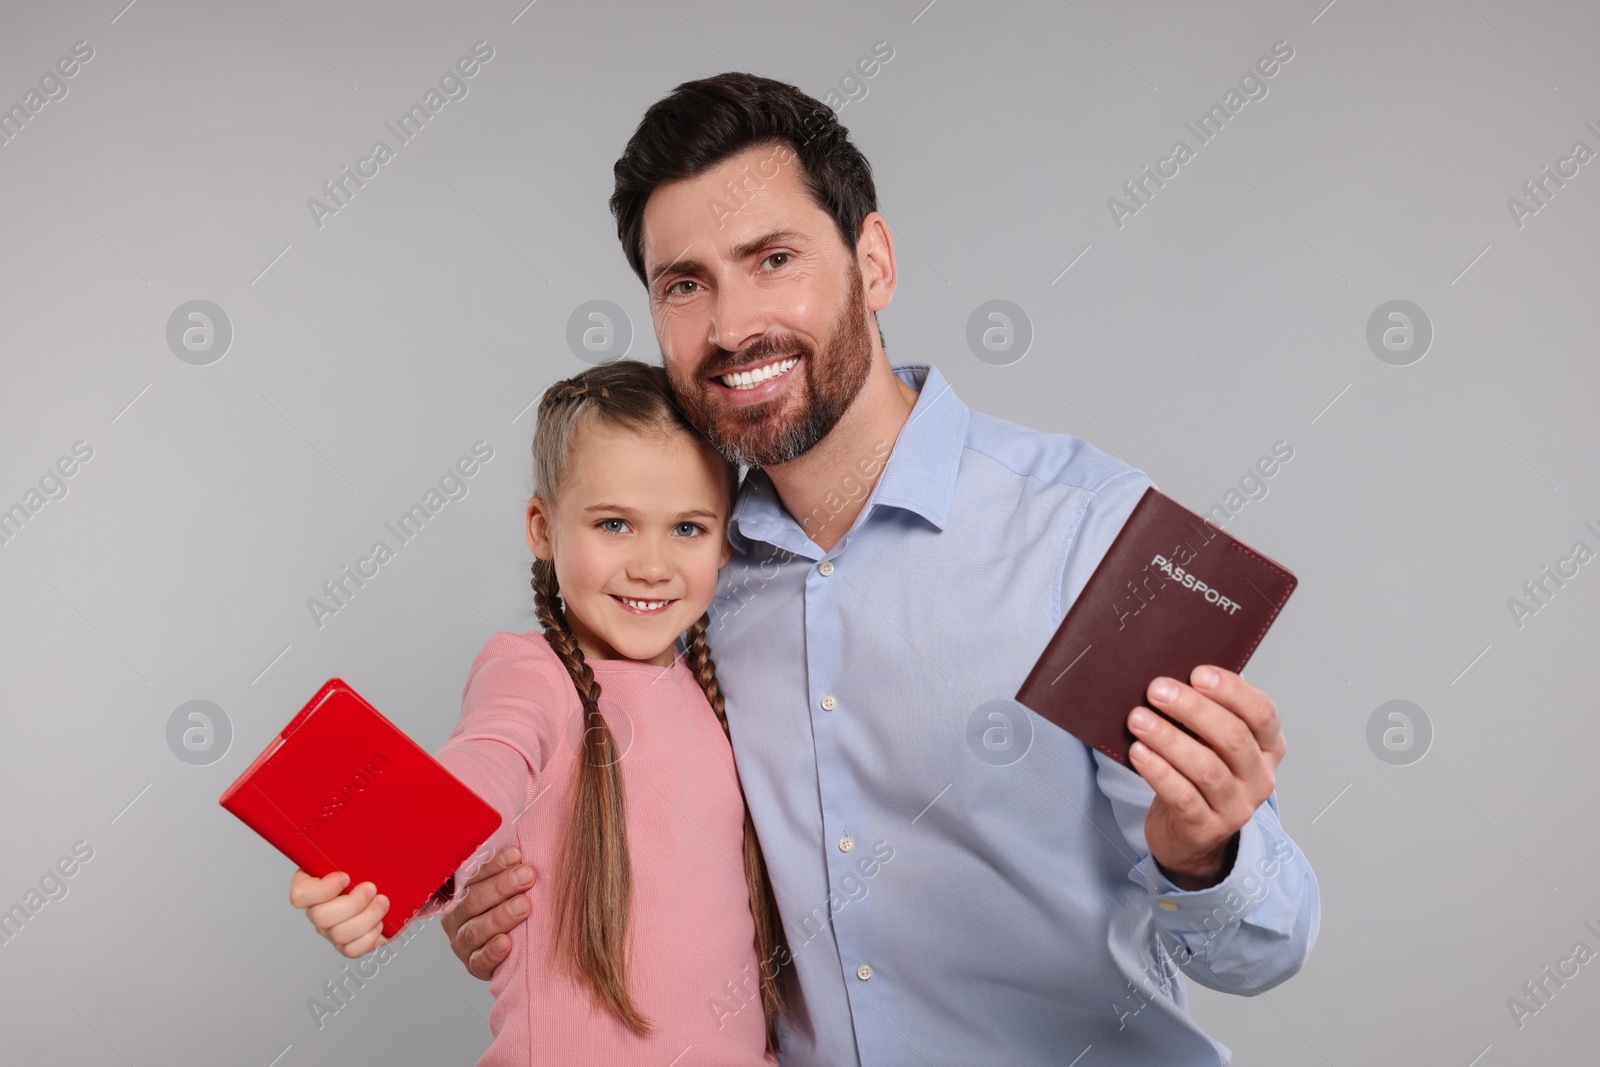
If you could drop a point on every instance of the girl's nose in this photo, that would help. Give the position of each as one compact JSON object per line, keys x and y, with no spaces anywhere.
{"x":649,"y":563}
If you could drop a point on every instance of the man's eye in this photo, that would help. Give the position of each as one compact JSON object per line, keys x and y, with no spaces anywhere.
{"x":613,"y":525}
{"x":785,"y":256}
{"x":673,"y":290}
{"x":689,"y":529}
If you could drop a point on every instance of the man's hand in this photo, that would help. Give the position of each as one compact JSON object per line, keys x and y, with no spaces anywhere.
{"x":495,"y":902}
{"x":1205,"y":792}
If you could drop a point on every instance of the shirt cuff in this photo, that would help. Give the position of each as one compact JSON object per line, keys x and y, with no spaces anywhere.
{"x":1206,"y":911}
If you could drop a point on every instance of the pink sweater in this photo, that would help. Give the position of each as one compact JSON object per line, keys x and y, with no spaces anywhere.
{"x":693,"y":954}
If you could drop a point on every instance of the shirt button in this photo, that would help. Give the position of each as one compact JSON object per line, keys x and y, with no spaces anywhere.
{"x":825,"y":568}
{"x":846,"y":844}
{"x":1167,"y":905}
{"x":829,"y":703}
{"x":864,"y":971}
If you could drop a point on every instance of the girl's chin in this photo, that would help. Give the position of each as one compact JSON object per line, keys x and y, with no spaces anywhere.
{"x":644,"y":649}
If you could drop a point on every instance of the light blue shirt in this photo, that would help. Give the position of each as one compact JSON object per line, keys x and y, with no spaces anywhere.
{"x":962,"y":882}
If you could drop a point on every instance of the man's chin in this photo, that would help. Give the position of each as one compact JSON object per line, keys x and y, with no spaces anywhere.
{"x":743,"y":423}
{"x":754,"y":436}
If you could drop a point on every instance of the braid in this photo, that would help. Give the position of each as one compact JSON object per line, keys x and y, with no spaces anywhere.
{"x":558,"y":632}
{"x":592,"y":895}
{"x":772,"y":950}
{"x":570,"y":389}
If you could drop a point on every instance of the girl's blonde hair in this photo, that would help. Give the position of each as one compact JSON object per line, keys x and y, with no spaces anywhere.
{"x":593,"y":887}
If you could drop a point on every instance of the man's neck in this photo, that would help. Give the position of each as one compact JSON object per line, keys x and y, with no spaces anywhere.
{"x":825,"y":489}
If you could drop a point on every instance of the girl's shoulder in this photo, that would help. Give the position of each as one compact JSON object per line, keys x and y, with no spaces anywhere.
{"x":518,"y":671}
{"x":529,"y":649}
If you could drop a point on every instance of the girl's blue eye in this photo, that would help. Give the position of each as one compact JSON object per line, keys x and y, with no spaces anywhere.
{"x":688,"y":529}
{"x":613,"y":525}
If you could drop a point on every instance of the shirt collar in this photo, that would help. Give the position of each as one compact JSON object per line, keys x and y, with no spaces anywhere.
{"x":920,"y":476}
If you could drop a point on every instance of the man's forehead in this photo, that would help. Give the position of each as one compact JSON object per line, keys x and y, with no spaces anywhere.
{"x":700,"y":217}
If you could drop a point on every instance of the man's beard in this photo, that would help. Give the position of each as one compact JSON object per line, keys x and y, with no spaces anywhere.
{"x":769,"y":433}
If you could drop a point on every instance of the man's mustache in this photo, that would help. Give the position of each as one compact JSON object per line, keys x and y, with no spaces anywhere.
{"x":764,"y":350}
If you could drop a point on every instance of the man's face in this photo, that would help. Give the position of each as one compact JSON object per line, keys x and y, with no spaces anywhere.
{"x":757,"y":305}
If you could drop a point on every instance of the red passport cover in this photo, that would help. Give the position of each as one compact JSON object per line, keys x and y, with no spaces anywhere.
{"x":343,"y":789}
{"x":1172,"y":592}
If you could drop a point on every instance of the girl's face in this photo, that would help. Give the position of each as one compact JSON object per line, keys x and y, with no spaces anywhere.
{"x":637,"y":536}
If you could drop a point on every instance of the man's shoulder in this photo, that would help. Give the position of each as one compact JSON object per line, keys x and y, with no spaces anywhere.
{"x":1054,"y":459}
{"x":1078,"y":498}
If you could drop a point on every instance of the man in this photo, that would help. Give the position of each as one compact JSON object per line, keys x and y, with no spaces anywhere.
{"x":960,"y":882}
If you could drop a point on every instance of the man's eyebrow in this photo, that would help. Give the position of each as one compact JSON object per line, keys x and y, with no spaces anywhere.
{"x":677,"y":261}
{"x":741,"y":251}
{"x":775,"y":237}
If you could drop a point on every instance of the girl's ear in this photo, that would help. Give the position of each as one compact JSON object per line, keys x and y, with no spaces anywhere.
{"x":727,"y":551}
{"x":539,"y":519}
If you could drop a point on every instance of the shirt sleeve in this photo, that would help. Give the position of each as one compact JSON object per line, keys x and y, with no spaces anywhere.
{"x":511,"y":711}
{"x":1248,"y":933}
{"x":1255,"y":928}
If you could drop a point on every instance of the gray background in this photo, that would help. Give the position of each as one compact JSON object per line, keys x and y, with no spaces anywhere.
{"x":1228,"y":314}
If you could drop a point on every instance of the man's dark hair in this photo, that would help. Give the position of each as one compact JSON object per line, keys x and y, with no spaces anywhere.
{"x":703,"y":123}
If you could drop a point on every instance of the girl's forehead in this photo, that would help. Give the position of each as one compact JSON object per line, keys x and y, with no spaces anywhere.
{"x":663,"y":467}
{"x":621,"y":445}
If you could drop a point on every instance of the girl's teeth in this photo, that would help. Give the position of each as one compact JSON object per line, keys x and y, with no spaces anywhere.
{"x":643,"y":605}
{"x":749,"y":379}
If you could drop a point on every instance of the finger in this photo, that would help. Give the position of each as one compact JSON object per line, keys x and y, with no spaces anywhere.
{"x":487,"y":895}
{"x":1229,"y":736}
{"x":305,"y":890}
{"x":1171,"y":787}
{"x":347,"y":933}
{"x":483,"y":962}
{"x":478,"y":899}
{"x":503,"y":860}
{"x":365,"y":944}
{"x":341,"y":908}
{"x":1194,"y":760}
{"x":476,"y":931}
{"x":1249,"y":703}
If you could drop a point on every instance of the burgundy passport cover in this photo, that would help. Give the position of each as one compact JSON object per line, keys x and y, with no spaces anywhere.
{"x":342,"y":789}
{"x":1172,"y":592}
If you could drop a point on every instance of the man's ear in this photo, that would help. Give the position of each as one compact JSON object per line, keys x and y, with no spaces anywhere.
{"x":875,"y":257}
{"x":539,"y":520}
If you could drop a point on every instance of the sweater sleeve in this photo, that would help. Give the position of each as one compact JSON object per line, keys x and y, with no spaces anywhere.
{"x":512,"y":711}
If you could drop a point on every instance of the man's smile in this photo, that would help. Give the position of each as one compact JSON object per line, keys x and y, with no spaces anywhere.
{"x":758,"y":383}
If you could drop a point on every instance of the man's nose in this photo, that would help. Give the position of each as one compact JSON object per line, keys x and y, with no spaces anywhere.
{"x":739,"y":316}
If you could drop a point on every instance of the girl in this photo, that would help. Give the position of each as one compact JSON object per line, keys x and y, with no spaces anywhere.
{"x":604,"y":746}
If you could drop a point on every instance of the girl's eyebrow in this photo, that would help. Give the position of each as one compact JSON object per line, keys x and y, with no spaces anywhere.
{"x":696,"y":513}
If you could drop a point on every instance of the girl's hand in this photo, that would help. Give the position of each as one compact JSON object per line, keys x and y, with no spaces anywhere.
{"x":352,"y":921}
